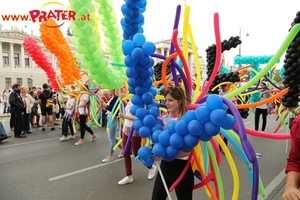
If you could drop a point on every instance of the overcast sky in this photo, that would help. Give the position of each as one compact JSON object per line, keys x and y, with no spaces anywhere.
{"x":266,"y":21}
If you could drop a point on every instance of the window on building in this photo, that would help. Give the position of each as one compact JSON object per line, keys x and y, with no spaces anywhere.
{"x":8,"y":82}
{"x":16,"y":58}
{"x":19,"y":81}
{"x":5,"y":58}
{"x":29,"y":82}
{"x":26,"y":60}
{"x":165,"y":53}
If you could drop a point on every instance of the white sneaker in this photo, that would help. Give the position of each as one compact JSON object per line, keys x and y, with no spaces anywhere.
{"x":108,"y":159}
{"x":71,"y":137}
{"x":125,"y":181}
{"x":63,"y":138}
{"x":120,"y":156}
{"x":152,"y":172}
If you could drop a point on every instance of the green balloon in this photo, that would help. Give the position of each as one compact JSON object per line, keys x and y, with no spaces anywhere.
{"x":94,"y":70}
{"x":99,"y":53}
{"x":83,"y":11}
{"x":104,"y":63}
{"x":74,"y":40}
{"x":101,"y":10}
{"x":113,"y":20}
{"x":88,"y":57}
{"x":108,"y":9}
{"x":81,"y":49}
{"x":94,"y":38}
{"x":79,"y":56}
{"x":87,"y":29}
{"x":77,"y":4}
{"x":92,"y":47}
{"x":76,"y":31}
{"x":90,"y":6}
{"x":83,"y":40}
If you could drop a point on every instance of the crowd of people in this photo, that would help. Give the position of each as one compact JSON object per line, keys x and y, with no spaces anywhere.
{"x":27,"y":104}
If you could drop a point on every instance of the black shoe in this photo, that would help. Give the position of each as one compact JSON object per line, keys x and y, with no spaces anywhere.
{"x":52,"y":129}
{"x":28,"y":132}
{"x":21,"y":136}
{"x":43,"y":129}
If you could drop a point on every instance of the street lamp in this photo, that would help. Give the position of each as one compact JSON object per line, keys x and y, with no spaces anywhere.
{"x":240,"y":35}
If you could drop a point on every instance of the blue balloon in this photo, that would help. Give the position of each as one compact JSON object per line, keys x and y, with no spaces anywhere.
{"x":145,"y":61}
{"x":133,"y":109}
{"x":159,"y":121}
{"x":204,"y":137}
{"x":156,"y":127}
{"x":168,"y":158}
{"x":129,"y":61}
{"x":138,"y":81}
{"x":149,"y":120}
{"x":141,"y":30}
{"x":147,"y":98}
{"x":125,"y":10}
{"x":149,"y":48}
{"x":171,"y":126}
{"x":176,"y":140}
{"x":151,"y":72}
{"x":142,"y":9}
{"x":140,"y":19}
{"x":138,"y":69}
{"x":130,"y":4}
{"x":186,"y":148}
{"x":190,"y":140}
{"x":202,"y":113}
{"x":148,"y":163}
{"x":218,"y":117}
{"x":128,"y":19}
{"x":152,"y":90}
{"x":127,"y":32}
{"x":154,"y":112}
{"x":214,"y":101}
{"x":224,"y":107}
{"x":140,"y":90}
{"x":151,"y":63}
{"x":131,"y":83}
{"x":230,"y":122}
{"x":195,"y":127}
{"x":123,"y":23}
{"x":164,"y":138}
{"x":144,"y":131}
{"x":172,"y":152}
{"x":146,"y":75}
{"x":155,"y":136}
{"x":153,"y":104}
{"x":147,"y":82}
{"x":211,"y":129}
{"x":137,"y":124}
{"x":135,"y":12}
{"x":137,"y":100}
{"x":141,"y":3}
{"x":130,"y":73}
{"x":159,"y":150}
{"x":144,"y":153}
{"x":141,"y":113}
{"x":137,"y":54}
{"x":181,"y":127}
{"x":131,"y":90}
{"x":189,"y":116}
{"x":139,"y":39}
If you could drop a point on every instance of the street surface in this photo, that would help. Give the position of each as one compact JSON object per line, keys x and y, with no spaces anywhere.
{"x":40,"y":167}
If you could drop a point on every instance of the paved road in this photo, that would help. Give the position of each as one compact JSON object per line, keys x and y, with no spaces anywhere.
{"x":42,"y":168}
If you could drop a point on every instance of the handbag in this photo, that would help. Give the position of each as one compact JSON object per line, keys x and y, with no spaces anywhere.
{"x":49,"y":102}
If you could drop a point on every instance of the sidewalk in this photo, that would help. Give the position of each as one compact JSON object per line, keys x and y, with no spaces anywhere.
{"x":1,"y":112}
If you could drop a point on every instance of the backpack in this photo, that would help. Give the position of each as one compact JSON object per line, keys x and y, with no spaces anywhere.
{"x":49,"y":101}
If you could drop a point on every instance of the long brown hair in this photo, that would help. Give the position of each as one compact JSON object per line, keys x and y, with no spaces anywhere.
{"x":178,"y":94}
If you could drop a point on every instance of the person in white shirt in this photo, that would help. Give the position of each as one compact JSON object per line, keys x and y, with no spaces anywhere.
{"x":67,"y":119}
{"x":83,"y":113}
{"x":135,"y":144}
{"x":262,"y":109}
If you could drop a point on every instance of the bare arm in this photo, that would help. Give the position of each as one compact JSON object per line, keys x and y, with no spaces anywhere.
{"x":292,"y":186}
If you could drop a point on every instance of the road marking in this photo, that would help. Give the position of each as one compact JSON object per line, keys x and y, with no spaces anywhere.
{"x":247,"y":123}
{"x":82,"y":170}
{"x":273,"y":184}
{"x":25,"y":143}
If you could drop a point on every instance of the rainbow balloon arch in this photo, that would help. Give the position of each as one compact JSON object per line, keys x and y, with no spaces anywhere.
{"x":130,"y":67}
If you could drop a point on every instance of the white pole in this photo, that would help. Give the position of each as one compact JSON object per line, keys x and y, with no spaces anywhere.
{"x":163,"y":180}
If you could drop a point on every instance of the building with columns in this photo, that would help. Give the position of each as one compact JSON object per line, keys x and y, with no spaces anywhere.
{"x":163,"y":48}
{"x":16,"y":66}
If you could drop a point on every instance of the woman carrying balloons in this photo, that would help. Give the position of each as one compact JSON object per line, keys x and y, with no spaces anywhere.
{"x":83,"y":113}
{"x":176,"y":104}
{"x":113,"y":126}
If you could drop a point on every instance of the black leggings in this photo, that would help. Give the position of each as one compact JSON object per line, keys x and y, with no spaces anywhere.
{"x":171,"y":171}
{"x":264,"y":113}
{"x":67,"y":123}
{"x":83,"y":126}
